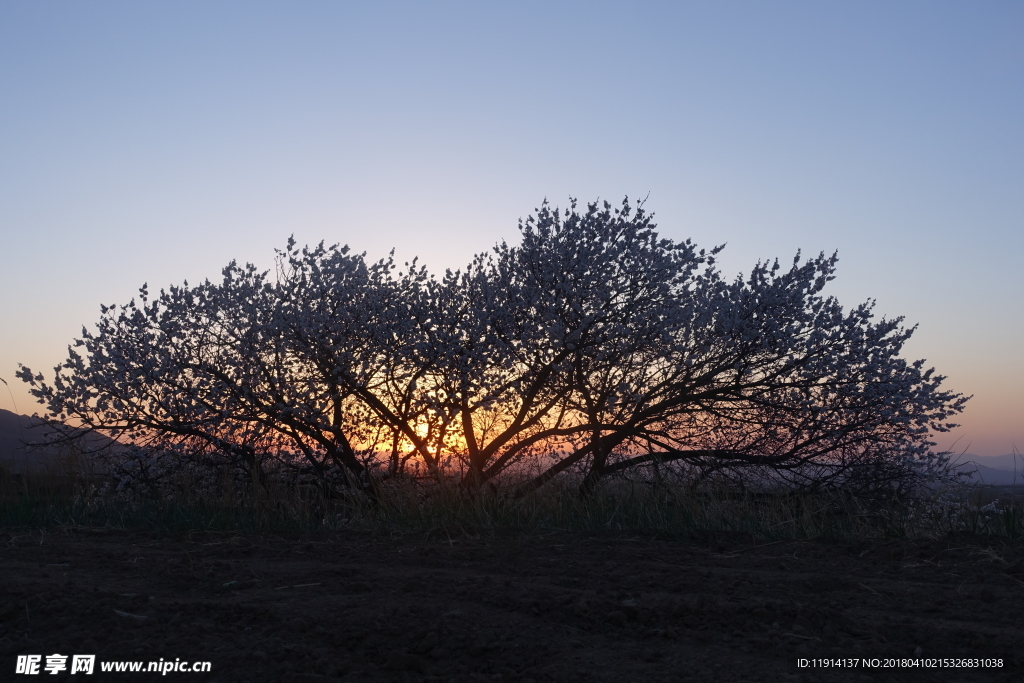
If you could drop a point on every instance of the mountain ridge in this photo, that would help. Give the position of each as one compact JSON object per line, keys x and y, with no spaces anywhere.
{"x":18,"y":434}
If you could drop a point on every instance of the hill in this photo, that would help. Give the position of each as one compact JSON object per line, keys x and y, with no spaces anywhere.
{"x":997,"y":470}
{"x":18,"y":433}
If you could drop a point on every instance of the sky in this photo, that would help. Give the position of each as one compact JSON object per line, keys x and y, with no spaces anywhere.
{"x":155,"y":142}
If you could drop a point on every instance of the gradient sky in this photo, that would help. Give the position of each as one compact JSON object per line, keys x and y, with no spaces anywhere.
{"x":155,"y":142}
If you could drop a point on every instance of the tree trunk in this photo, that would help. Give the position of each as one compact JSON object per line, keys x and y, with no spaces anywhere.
{"x":601,"y":451}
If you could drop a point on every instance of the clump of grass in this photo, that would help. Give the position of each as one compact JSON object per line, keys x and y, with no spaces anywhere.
{"x":73,"y":496}
{"x":688,"y":510}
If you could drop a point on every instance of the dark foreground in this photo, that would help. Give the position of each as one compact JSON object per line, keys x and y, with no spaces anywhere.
{"x":541,"y":608}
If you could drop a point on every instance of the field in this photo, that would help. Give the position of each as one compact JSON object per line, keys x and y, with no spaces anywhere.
{"x":361,"y":605}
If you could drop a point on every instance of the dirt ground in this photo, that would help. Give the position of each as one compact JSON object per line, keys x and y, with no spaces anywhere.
{"x":558,"y":607}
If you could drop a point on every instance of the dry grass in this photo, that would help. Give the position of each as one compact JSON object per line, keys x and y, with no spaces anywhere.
{"x":71,"y":495}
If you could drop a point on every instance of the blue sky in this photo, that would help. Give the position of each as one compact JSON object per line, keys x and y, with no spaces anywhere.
{"x":145,"y":142}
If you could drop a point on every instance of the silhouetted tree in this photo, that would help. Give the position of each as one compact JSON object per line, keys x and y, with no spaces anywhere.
{"x":592,"y":345}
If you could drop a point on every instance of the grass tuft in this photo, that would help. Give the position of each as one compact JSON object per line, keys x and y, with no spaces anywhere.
{"x":73,"y":497}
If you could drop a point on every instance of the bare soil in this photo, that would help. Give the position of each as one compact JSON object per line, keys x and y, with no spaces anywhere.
{"x":559,"y":607}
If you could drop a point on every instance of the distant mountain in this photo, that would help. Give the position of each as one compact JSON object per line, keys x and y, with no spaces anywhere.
{"x":999,"y":462}
{"x":17,"y":432}
{"x":994,"y":470}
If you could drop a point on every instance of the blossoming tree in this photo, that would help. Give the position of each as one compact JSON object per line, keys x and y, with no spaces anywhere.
{"x":593,"y":346}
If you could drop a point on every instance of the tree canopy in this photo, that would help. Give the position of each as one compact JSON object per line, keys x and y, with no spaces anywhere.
{"x":593,"y":345}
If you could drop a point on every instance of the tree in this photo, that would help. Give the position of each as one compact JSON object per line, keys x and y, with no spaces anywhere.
{"x":215,"y":367}
{"x":765,"y":373}
{"x":613,"y":349}
{"x":588,"y":288}
{"x":592,"y":345}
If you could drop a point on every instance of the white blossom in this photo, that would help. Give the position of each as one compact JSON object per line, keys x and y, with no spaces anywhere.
{"x":592,"y":345}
